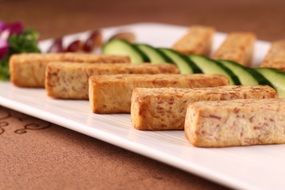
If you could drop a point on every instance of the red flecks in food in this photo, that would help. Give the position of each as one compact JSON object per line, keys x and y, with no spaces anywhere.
{"x":236,"y":110}
{"x":215,"y":117}
{"x":257,"y":127}
{"x":251,"y":119}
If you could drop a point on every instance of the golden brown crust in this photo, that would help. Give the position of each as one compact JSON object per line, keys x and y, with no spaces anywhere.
{"x":275,"y":58}
{"x":191,"y":121}
{"x":28,"y":69}
{"x":70,"y":80}
{"x":165,"y":108}
{"x":91,"y":58}
{"x":237,"y":47}
{"x":113,"y":93}
{"x":236,"y":122}
{"x":198,"y":40}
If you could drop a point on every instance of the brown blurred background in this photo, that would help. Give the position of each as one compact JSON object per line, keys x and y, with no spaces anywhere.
{"x":54,"y":17}
{"x":57,"y":158}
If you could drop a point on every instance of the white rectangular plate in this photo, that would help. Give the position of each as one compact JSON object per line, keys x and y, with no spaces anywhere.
{"x":255,"y":167}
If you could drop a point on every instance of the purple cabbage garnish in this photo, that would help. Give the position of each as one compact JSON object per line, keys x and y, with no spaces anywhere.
{"x":4,"y":48}
{"x":14,"y":39}
{"x":8,"y":29}
{"x":2,"y":26}
{"x":15,"y":28}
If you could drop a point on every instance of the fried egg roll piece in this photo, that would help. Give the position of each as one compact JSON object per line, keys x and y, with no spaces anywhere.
{"x":165,"y":108}
{"x":112,"y":94}
{"x":236,"y":122}
{"x":275,"y":58}
{"x":237,"y":47}
{"x":70,"y":80}
{"x":28,"y":69}
{"x":198,"y":40}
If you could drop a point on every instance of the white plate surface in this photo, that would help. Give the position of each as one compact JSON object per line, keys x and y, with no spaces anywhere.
{"x":255,"y":167}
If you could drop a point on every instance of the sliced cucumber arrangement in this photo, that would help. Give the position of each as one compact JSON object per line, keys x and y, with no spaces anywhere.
{"x":236,"y":73}
{"x":276,"y":78}
{"x":122,"y":47}
{"x":154,"y":54}
{"x":185,"y":65}
{"x":209,"y":66}
{"x":244,"y":75}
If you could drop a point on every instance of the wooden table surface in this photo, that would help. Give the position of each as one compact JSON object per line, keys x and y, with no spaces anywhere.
{"x":51,"y":157}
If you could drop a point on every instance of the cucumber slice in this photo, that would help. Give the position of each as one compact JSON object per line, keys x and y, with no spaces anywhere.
{"x":244,"y":76}
{"x":122,"y":47}
{"x":155,"y":55}
{"x":185,"y":65}
{"x":276,"y":78}
{"x":209,"y":66}
{"x":259,"y":77}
